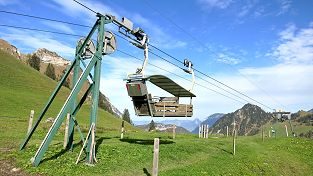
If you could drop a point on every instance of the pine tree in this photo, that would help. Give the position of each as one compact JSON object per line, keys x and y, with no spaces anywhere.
{"x":126,"y":116}
{"x":34,"y":61}
{"x":67,"y":82}
{"x":151,"y":125}
{"x":50,"y":72}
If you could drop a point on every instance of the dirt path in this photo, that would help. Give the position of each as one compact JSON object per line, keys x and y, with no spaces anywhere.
{"x":7,"y":168}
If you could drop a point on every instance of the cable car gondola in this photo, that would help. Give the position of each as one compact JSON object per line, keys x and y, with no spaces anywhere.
{"x":147,"y":105}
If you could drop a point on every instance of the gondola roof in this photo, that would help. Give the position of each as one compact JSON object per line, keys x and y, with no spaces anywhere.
{"x":169,"y":85}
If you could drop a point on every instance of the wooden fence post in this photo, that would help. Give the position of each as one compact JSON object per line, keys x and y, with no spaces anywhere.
{"x":122,"y":130}
{"x":203,"y":131}
{"x":227,"y":131}
{"x":174,"y":131}
{"x":66,"y":130}
{"x":207,"y":131}
{"x":30,"y":123}
{"x":262,"y":133}
{"x":286,"y":130}
{"x":155,"y":157}
{"x":234,"y":142}
{"x":199,"y":130}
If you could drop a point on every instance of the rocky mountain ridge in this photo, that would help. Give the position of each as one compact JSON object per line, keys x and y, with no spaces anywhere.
{"x":248,"y":120}
{"x":47,"y":56}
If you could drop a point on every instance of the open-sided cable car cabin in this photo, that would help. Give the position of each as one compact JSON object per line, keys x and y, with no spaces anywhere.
{"x":146,"y":105}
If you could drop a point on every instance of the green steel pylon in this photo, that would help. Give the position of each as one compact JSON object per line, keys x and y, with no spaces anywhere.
{"x":71,"y":106}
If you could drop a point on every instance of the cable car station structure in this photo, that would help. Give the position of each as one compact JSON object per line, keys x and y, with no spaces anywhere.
{"x":143,"y":102}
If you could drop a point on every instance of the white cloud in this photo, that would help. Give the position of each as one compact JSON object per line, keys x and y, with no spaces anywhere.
{"x":155,"y":32}
{"x":285,"y":6}
{"x":226,"y":59}
{"x":295,"y":45}
{"x":59,"y":26}
{"x":288,"y":83}
{"x":75,"y":10}
{"x":246,"y":9}
{"x":221,"y":4}
{"x":35,"y":40}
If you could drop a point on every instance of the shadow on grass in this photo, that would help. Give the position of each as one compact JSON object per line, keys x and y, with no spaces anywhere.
{"x":63,"y":151}
{"x":225,"y":150}
{"x":99,"y":142}
{"x":146,"y":141}
{"x":145,"y":171}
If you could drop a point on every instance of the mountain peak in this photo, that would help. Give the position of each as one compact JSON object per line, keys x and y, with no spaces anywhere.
{"x":47,"y":56}
{"x":248,"y":119}
{"x":250,"y":106}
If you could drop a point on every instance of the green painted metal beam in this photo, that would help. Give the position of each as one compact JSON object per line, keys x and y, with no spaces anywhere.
{"x":56,"y":90}
{"x":95,"y":90}
{"x":73,"y":104}
{"x":79,"y":105}
{"x":50,"y":100}
{"x":58,"y":121}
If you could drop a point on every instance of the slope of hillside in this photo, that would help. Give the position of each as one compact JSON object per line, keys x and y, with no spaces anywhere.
{"x":209,"y":121}
{"x":59,"y":63}
{"x":248,"y":119}
{"x":23,"y":88}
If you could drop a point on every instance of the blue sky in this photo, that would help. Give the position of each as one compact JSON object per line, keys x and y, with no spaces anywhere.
{"x":261,"y":48}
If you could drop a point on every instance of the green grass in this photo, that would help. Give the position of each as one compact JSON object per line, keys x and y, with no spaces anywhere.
{"x":23,"y":89}
{"x":281,"y":130}
{"x":185,"y":155}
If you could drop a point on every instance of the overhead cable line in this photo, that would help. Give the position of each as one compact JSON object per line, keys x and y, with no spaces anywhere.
{"x":42,"y":18}
{"x":74,"y":35}
{"x":40,"y":30}
{"x":62,"y":33}
{"x":180,"y":76}
{"x":85,"y":6}
{"x":204,"y":46}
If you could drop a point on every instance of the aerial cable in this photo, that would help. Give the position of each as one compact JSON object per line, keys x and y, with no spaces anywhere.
{"x":43,"y":18}
{"x":204,"y":46}
{"x":125,"y":53}
{"x":74,"y":35}
{"x":85,"y":6}
{"x":68,"y":34}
